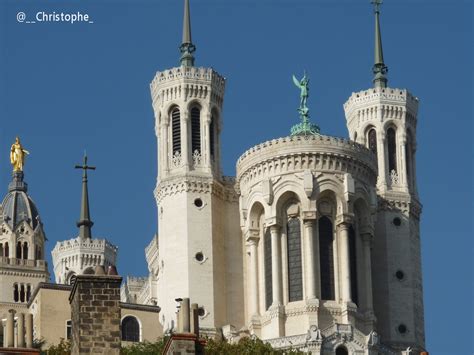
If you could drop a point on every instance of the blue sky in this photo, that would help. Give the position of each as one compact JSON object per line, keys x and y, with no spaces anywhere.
{"x":65,"y":88}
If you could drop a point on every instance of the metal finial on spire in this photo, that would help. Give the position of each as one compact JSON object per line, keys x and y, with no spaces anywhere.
{"x":85,"y":224}
{"x":380,"y":69}
{"x":187,"y":47}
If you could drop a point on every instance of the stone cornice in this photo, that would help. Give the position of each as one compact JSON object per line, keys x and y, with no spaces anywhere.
{"x":294,"y":154}
{"x":140,"y":307}
{"x":48,"y":286}
{"x":192,"y":184}
{"x":406,"y":205}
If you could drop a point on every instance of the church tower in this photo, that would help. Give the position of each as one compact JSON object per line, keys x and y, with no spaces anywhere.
{"x":200,"y":251}
{"x":384,"y":119}
{"x":22,"y":241}
{"x":82,"y":254}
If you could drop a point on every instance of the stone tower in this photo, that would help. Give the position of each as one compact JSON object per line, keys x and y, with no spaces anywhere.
{"x":82,"y":254}
{"x":22,"y":245}
{"x":200,"y":250}
{"x":384,"y":119}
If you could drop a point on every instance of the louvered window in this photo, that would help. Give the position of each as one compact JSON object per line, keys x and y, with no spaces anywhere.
{"x":268,"y":269}
{"x":196,"y":130}
{"x":392,"y":150}
{"x":130,"y":329}
{"x":295,"y":273}
{"x":372,"y":138}
{"x":176,"y":130}
{"x":326,"y":258}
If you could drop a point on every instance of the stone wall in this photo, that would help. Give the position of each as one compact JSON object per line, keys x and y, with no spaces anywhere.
{"x":95,"y":307}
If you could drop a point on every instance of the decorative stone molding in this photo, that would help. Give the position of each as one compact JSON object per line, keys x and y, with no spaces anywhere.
{"x":170,"y":187}
{"x":406,"y":206}
{"x":300,"y":154}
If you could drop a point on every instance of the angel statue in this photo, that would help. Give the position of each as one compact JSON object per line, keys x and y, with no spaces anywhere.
{"x":303,"y":85}
{"x":18,"y":155}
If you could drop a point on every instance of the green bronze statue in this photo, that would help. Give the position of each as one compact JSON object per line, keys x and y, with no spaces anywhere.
{"x":305,"y":127}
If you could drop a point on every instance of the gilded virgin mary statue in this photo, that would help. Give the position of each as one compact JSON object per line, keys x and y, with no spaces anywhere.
{"x":18,"y":155}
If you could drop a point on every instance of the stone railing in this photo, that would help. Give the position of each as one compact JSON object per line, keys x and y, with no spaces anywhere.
{"x":304,"y":146}
{"x":89,"y":244}
{"x":4,"y":261}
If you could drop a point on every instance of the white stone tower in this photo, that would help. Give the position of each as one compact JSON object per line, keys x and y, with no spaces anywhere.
{"x":384,"y":120}
{"x":82,"y":254}
{"x":200,"y":250}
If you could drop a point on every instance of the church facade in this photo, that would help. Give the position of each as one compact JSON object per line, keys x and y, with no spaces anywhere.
{"x":314,"y":244}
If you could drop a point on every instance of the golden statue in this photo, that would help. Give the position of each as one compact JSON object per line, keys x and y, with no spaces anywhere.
{"x":17,"y":155}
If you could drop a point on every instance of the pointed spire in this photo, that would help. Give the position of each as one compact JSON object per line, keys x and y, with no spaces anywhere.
{"x":380,"y":69}
{"x":85,"y":224}
{"x":187,"y":47}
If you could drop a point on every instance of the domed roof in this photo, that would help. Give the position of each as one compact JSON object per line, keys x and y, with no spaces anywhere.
{"x":17,"y":205}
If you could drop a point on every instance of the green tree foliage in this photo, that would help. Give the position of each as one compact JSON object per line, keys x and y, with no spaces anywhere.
{"x":145,"y":348}
{"x":63,"y":348}
{"x":246,"y":346}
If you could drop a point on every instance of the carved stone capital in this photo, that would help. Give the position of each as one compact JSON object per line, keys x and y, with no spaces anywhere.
{"x":344,"y":220}
{"x":252,"y":235}
{"x":311,"y":216}
{"x":273,"y":222}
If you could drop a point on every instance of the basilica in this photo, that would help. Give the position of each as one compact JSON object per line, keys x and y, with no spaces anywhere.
{"x":314,"y":244}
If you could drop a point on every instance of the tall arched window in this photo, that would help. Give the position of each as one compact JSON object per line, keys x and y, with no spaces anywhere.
{"x":37,"y":252}
{"x":18,"y":250}
{"x":176,"y":130}
{"x":28,"y":293}
{"x":372,"y":140}
{"x":1,"y":249}
{"x":409,"y":160}
{"x":16,"y":293}
{"x":353,"y":265}
{"x":6,"y":250}
{"x":130,"y":329}
{"x":22,"y":293}
{"x":212,"y":137}
{"x":392,"y":150}
{"x":25,"y":250}
{"x":326,"y":258}
{"x":268,"y":268}
{"x":295,"y":273}
{"x":195,"y":130}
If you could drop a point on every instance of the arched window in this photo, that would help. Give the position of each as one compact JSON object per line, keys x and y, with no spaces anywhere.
{"x":341,"y":351}
{"x":176,"y":130}
{"x":16,"y":293}
{"x":28,"y":293}
{"x":353,"y":265}
{"x":18,"y":250}
{"x":409,"y":160}
{"x":130,"y":329}
{"x":268,"y":268}
{"x":37,"y":252}
{"x":392,"y":150}
{"x":22,"y":293}
{"x":372,"y":140}
{"x":6,"y":251}
{"x":1,"y":249}
{"x":326,"y":258}
{"x":195,"y":130}
{"x":212,"y":137}
{"x":25,"y":250}
{"x":295,"y":273}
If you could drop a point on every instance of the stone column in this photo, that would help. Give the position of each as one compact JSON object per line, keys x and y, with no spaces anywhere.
{"x":206,"y":143}
{"x":253,"y":275}
{"x":367,"y":240}
{"x":276,"y":262}
{"x":21,"y":330}
{"x":29,"y":330}
{"x":165,"y":148}
{"x":195,"y":319}
{"x":381,"y":156}
{"x":10,"y":333}
{"x":344,"y":261}
{"x":185,"y":315}
{"x":310,"y":279}
{"x":402,"y":175}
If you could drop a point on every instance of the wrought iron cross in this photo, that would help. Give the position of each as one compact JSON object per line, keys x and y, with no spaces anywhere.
{"x":85,"y":167}
{"x":377,"y":4}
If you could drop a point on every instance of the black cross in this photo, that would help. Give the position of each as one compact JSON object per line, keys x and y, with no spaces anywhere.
{"x":85,"y":167}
